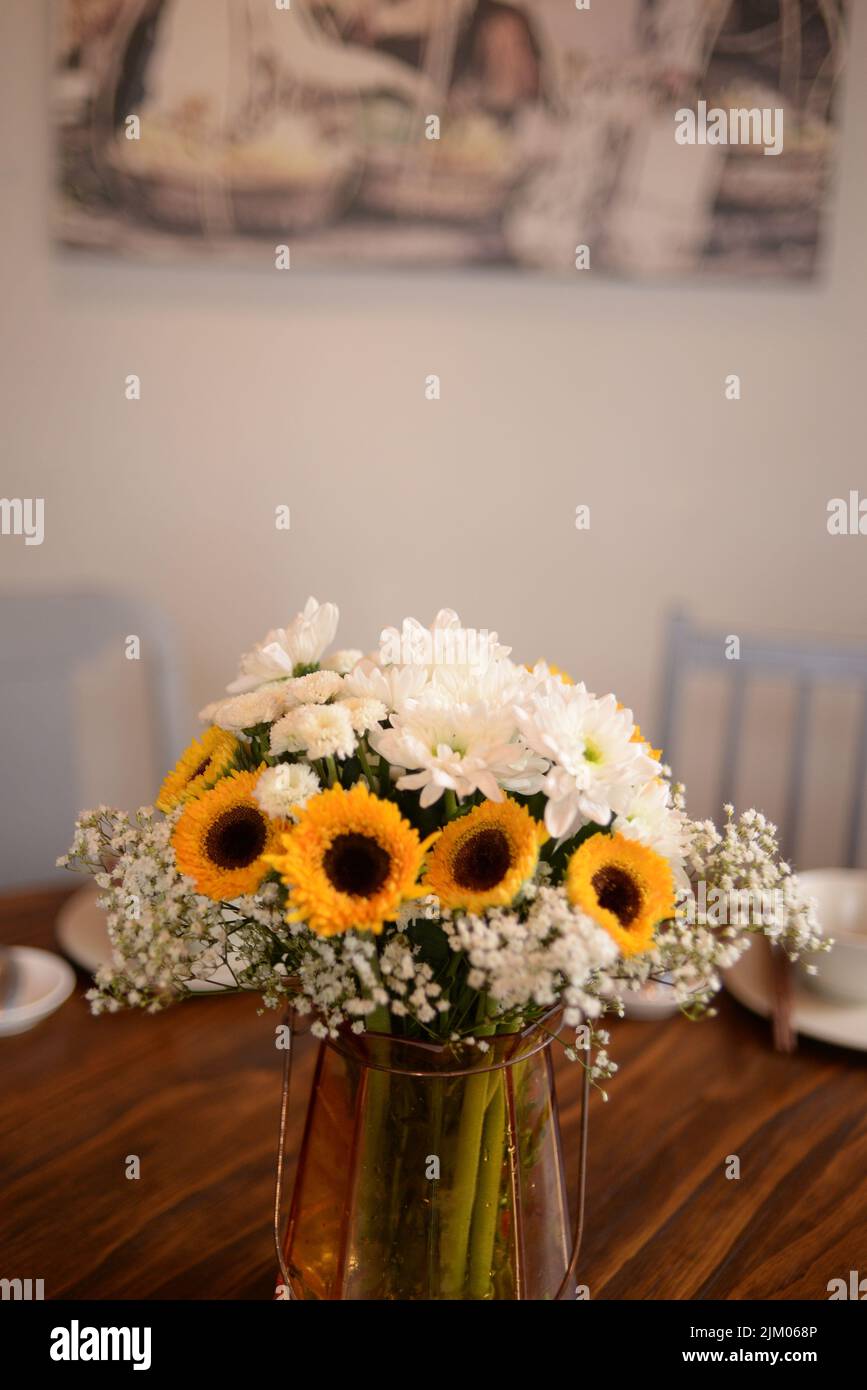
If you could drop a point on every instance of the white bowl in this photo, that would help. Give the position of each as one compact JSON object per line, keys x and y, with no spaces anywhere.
{"x":841,"y":897}
{"x":651,"y":1001}
{"x":43,"y":982}
{"x":83,"y":936}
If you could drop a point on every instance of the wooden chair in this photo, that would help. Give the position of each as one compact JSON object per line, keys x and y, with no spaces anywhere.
{"x":805,"y":665}
{"x":44,"y":639}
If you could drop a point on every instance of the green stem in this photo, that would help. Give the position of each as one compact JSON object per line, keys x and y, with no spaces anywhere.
{"x":459,"y":1207}
{"x":384,"y":776}
{"x":436,"y":1093}
{"x":486,"y":1210}
{"x":375,"y":1150}
{"x":397,"y":1193}
{"x":451,"y":803}
{"x":365,"y":765}
{"x":458,"y":1217}
{"x":332,"y":770}
{"x":379,"y":1020}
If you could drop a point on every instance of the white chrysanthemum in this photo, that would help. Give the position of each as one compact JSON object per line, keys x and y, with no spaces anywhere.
{"x":499,"y":685}
{"x":465,"y":749}
{"x":365,"y":712}
{"x":283,"y":791}
{"x":320,"y":731}
{"x":445,"y":643}
{"x":595,"y":765}
{"x":206,"y":714}
{"x":649,"y":816}
{"x":343,"y":661}
{"x":395,"y":686}
{"x":542,"y":673}
{"x":300,"y":644}
{"x":244,"y":711}
{"x":316,"y":688}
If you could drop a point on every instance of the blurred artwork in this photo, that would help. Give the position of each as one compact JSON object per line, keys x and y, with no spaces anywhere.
{"x":541,"y":134}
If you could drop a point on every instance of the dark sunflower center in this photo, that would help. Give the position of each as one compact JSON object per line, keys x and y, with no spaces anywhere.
{"x":482,"y":861}
{"x":236,"y":838}
{"x":356,"y":864}
{"x":618,"y":892}
{"x":200,"y":769}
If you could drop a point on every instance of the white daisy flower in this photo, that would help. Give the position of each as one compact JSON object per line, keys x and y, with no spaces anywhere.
{"x":320,"y":731}
{"x":300,"y":644}
{"x":343,"y":661}
{"x":499,"y":685}
{"x":283,"y":791}
{"x":595,"y":765}
{"x":239,"y":712}
{"x":648,"y":816}
{"x":445,"y":642}
{"x":395,"y":686}
{"x":286,"y":737}
{"x":316,"y":688}
{"x":463,"y":749}
{"x":542,"y":673}
{"x":365,"y":712}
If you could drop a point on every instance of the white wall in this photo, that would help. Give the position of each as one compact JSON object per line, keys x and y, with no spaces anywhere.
{"x":260,"y":388}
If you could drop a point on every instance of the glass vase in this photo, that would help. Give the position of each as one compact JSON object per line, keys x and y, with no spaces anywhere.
{"x":427,"y":1173}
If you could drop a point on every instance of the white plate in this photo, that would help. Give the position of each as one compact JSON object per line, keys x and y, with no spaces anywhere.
{"x":814,"y":1015}
{"x":83,"y":936}
{"x":840,"y":896}
{"x":43,"y":982}
{"x":81,"y":930}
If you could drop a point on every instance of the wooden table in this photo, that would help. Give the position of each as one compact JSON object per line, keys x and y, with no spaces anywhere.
{"x":194,"y":1093}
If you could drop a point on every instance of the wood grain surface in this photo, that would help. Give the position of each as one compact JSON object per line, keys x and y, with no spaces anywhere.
{"x":194,"y":1093}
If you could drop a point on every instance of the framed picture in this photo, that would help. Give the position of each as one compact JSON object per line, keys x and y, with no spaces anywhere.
{"x":642,"y":138}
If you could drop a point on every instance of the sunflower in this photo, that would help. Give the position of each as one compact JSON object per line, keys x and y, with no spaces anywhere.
{"x":205,"y":761}
{"x":222,"y":837}
{"x":626,"y":887}
{"x":350,"y":861}
{"x":481,"y":859}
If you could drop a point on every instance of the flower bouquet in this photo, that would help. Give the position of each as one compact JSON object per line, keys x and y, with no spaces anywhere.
{"x":448,"y":861}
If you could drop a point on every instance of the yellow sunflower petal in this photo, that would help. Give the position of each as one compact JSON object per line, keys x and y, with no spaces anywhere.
{"x":350,"y":860}
{"x":481,"y":859}
{"x":626,"y":887}
{"x":553,"y":671}
{"x":638,"y":737}
{"x":223,"y":838}
{"x":202,"y":764}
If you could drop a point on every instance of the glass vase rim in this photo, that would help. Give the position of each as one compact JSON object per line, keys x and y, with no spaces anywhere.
{"x":382,"y":1051}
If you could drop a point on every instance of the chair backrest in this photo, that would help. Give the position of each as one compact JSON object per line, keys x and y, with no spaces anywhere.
{"x":45,"y":639}
{"x":806,"y":665}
